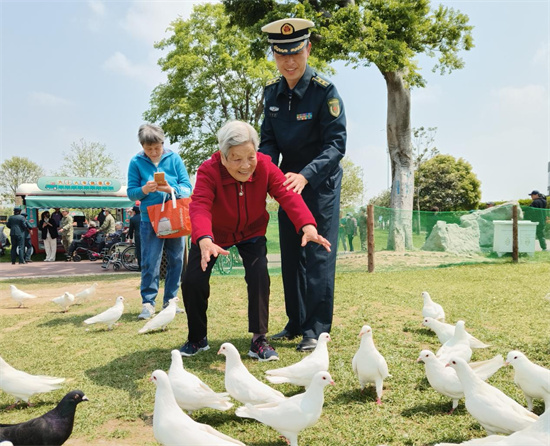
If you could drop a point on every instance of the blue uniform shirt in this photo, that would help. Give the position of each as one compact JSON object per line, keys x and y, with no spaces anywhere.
{"x":306,"y":125}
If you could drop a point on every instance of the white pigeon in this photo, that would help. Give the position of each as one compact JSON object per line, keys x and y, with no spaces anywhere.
{"x":23,"y":385}
{"x":457,"y":347}
{"x":532,"y":379}
{"x":446,"y":331}
{"x":445,"y":380}
{"x":81,"y":296}
{"x":110,"y":316}
{"x":303,"y":371}
{"x":190,"y":392}
{"x":20,"y":296}
{"x":241,"y":384}
{"x":432,"y":309}
{"x":162,"y":319}
{"x":292,"y":415}
{"x":368,"y":364}
{"x":172,"y":426}
{"x":64,"y":301}
{"x":536,"y":434}
{"x":495,"y":411}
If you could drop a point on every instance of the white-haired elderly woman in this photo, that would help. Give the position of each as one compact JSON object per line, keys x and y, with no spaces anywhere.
{"x":228,"y":209}
{"x":142,"y":186}
{"x":85,"y":241}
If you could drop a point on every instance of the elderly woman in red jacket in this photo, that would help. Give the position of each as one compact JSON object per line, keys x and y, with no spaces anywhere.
{"x":228,"y":209}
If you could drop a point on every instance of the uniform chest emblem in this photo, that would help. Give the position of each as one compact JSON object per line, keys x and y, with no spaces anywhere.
{"x":334,"y":107}
{"x":273,"y":108}
{"x":304,"y":116}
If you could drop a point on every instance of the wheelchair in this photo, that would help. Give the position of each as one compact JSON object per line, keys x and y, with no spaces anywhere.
{"x":4,"y":241}
{"x":91,"y":250}
{"x":122,"y":254}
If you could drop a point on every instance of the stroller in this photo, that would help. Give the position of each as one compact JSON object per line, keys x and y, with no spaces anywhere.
{"x":4,"y":242}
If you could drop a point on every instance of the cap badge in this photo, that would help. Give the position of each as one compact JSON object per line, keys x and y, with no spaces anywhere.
{"x":287,"y":29}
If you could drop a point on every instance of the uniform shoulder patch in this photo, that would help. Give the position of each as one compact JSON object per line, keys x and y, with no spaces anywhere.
{"x":273,"y":81}
{"x":322,"y":82}
{"x":334,"y":107}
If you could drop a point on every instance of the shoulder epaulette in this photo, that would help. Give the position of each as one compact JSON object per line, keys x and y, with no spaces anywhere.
{"x":322,"y":82}
{"x":273,"y":81}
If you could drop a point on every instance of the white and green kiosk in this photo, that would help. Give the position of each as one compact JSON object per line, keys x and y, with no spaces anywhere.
{"x":73,"y":193}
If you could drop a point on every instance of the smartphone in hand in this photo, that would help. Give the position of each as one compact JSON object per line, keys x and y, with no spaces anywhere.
{"x":159,"y":178}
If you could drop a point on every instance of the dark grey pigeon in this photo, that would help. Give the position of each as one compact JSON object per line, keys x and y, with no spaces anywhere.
{"x":51,"y":429}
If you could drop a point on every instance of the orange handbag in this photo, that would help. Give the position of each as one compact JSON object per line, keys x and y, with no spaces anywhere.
{"x":170,"y":219}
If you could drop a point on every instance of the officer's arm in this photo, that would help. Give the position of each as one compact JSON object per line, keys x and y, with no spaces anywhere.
{"x":332,"y":120}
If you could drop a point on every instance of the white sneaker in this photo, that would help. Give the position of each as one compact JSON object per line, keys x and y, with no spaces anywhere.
{"x":147,"y":312}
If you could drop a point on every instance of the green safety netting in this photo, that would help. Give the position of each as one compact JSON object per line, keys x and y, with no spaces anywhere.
{"x":420,"y":253}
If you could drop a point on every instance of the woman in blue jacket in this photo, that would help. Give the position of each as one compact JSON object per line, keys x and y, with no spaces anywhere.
{"x":142,"y":186}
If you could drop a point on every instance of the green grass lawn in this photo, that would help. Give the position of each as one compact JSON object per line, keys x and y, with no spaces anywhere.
{"x":503,"y":305}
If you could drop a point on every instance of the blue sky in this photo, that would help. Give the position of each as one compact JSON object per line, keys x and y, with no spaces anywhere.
{"x":85,"y":69}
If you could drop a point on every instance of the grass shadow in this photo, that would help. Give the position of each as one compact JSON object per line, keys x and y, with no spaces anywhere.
{"x":22,"y":406}
{"x":430,"y":409}
{"x":126,"y":371}
{"x":76,"y":320}
{"x":217,"y":418}
{"x":280,"y":441}
{"x":367,"y":395}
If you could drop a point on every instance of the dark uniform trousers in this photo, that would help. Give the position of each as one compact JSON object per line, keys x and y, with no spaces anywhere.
{"x":18,"y":241}
{"x":308,"y":273}
{"x":195,"y":287}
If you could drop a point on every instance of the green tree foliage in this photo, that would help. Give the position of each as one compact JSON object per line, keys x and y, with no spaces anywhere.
{"x":383,"y":199}
{"x":353,"y":186}
{"x":423,"y":140}
{"x":211,"y":80}
{"x":351,"y":193}
{"x":448,"y":183}
{"x":389,"y":34}
{"x":15,"y":171}
{"x":90,"y":160}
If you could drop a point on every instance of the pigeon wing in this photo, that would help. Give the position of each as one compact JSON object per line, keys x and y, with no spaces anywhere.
{"x":161,"y":320}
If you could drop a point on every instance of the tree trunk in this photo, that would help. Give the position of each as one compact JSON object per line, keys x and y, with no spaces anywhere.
{"x":400,"y":150}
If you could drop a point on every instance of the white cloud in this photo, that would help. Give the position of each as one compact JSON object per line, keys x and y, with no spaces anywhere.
{"x":540,"y":57}
{"x":148,"y":73}
{"x":41,"y":98}
{"x":98,"y":13}
{"x":148,"y":20}
{"x":97,"y":7}
{"x":526,"y":100}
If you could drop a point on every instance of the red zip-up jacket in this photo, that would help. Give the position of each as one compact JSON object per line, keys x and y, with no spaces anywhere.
{"x":230,"y":211}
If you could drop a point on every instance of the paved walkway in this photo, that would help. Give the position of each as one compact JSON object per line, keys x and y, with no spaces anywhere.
{"x":56,"y":269}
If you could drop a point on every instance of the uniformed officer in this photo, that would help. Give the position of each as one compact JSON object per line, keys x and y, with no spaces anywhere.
{"x":304,"y":125}
{"x":17,"y":224}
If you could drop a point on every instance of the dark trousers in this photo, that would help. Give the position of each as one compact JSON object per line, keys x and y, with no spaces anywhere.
{"x":195,"y":288}
{"x":350,"y":241}
{"x":17,"y":242}
{"x":76,"y":244}
{"x":308,"y":272}
{"x":137,"y":242}
{"x":540,"y":234}
{"x":28,"y":248}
